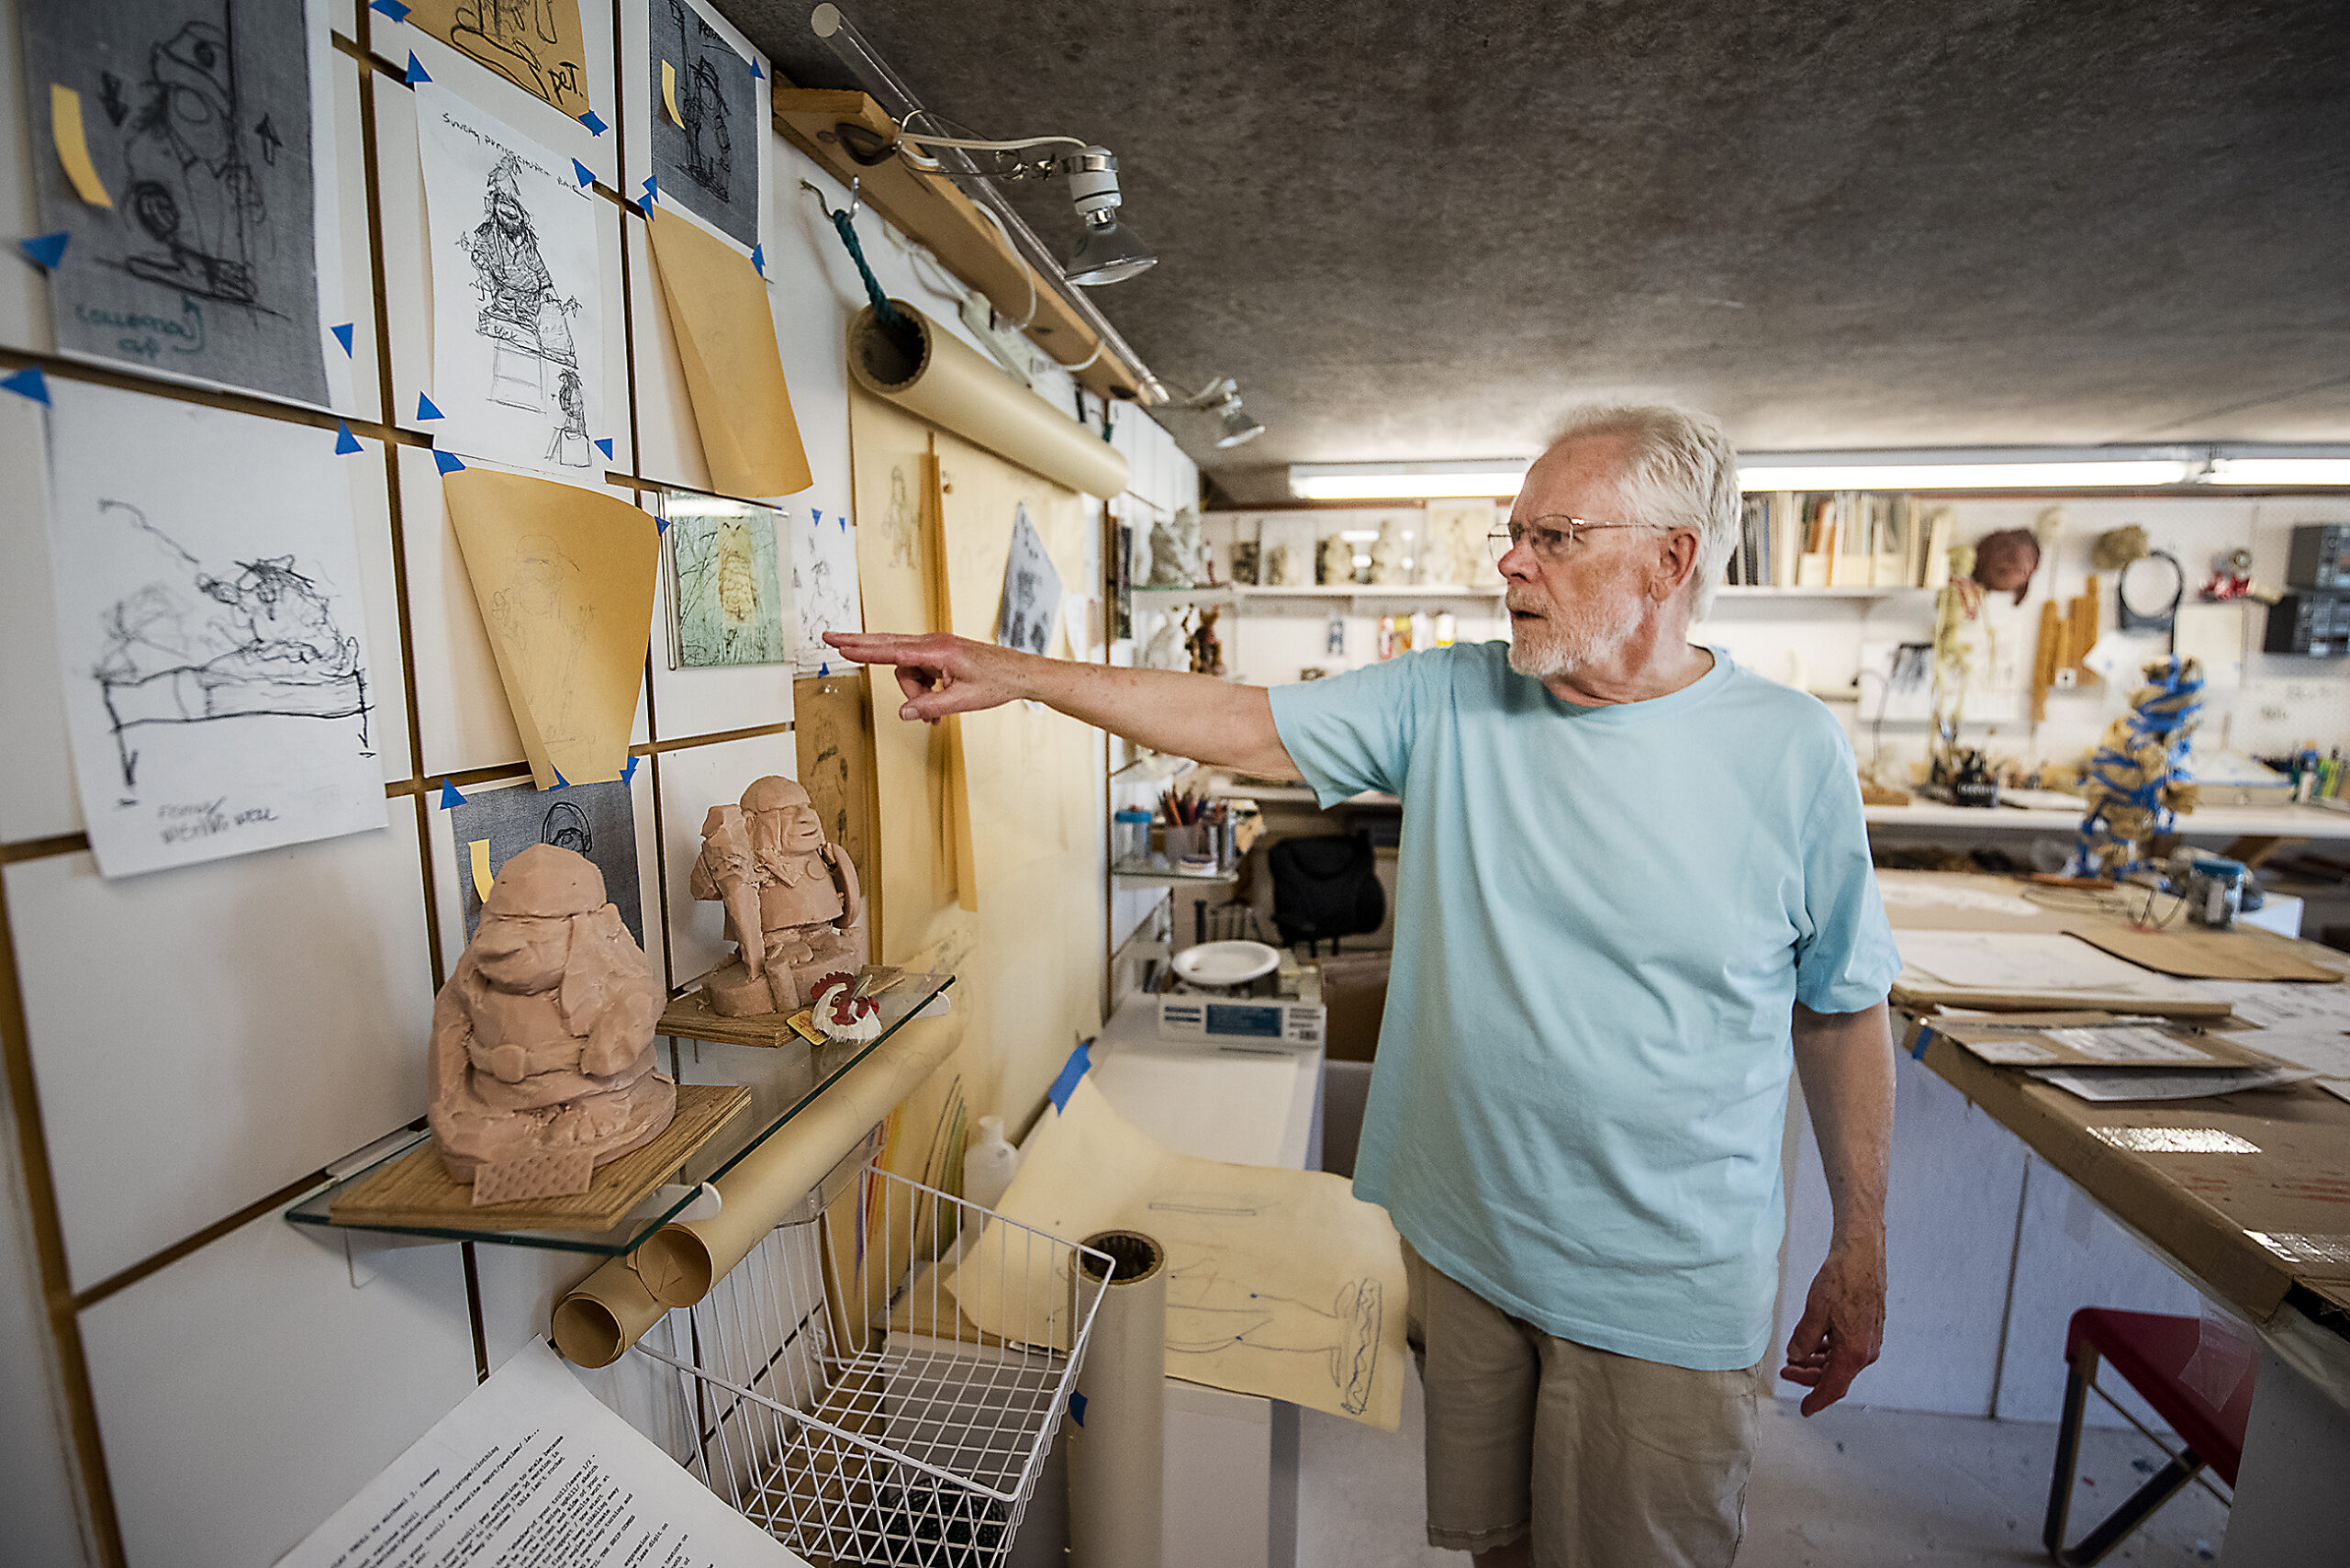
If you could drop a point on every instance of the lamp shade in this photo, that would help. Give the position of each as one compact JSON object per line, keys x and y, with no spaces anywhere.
{"x":1109,"y":253}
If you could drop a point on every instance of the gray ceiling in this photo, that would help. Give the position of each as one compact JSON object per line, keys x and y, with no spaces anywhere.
{"x":1419,"y":231}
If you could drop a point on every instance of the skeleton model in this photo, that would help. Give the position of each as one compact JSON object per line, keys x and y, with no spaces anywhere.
{"x":791,"y":901}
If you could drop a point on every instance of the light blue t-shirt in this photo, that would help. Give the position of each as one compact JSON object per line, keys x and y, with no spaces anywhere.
{"x":1602,"y":917}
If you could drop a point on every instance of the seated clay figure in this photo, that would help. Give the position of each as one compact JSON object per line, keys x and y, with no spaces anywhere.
{"x":791,"y":901}
{"x":543,"y":1039}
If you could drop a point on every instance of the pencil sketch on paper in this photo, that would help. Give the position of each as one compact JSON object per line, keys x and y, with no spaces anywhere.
{"x":536,"y":44}
{"x":210,"y":635}
{"x":725,"y":587}
{"x":517,"y":285}
{"x":706,"y":158}
{"x":197,"y":117}
{"x":824,"y":586}
{"x":898,"y":521}
{"x":595,"y":820}
{"x":189,"y":647}
{"x":545,"y":620}
{"x":525,"y":318}
{"x":1031,"y":607}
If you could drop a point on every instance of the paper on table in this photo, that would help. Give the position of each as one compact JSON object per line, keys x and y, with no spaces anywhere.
{"x":2193,"y":1083}
{"x":517,"y":335}
{"x":563,"y":578}
{"x":532,"y":1468}
{"x":2129,"y":1042}
{"x":2306,"y":1025}
{"x":718,"y":309}
{"x":1934,"y":890}
{"x":2012,"y":963}
{"x":1280,"y":1283}
{"x":2010,"y":1053}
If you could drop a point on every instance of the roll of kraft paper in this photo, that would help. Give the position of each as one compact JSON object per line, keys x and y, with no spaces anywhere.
{"x":682,"y":1259}
{"x":939,"y":377}
{"x":1117,"y":1443}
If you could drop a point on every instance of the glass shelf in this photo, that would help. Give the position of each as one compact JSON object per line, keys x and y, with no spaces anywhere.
{"x":783,"y":1083}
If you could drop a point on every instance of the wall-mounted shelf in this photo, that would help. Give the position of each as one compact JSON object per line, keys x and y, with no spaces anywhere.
{"x":1130,"y":880}
{"x":1159,"y":599}
{"x":1763,"y":592}
{"x":783,"y":1083}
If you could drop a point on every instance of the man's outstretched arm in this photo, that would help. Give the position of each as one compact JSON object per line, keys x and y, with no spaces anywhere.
{"x":1197,"y":716}
{"x":1846,"y":1060}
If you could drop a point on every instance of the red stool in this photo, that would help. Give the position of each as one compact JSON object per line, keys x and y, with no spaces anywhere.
{"x":2150,"y":1351}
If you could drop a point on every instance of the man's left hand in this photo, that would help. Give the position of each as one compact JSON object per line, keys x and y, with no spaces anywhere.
{"x":1842,"y":1326}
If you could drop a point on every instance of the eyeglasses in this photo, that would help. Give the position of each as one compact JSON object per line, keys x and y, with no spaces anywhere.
{"x":1550,"y":538}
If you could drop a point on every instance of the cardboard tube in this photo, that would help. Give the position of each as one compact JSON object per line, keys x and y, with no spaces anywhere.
{"x":946,"y":381}
{"x":603,"y":1315}
{"x":1117,"y":1450}
{"x":681,"y":1262}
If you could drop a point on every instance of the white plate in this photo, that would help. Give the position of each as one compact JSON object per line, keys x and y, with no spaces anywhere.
{"x":1226,"y":963}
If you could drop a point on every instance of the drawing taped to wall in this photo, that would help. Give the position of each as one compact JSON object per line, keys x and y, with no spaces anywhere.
{"x":1031,"y":607}
{"x":725,"y":587}
{"x":217,"y":255}
{"x":824,"y":586}
{"x":536,"y":44}
{"x":517,"y":291}
{"x":706,"y":127}
{"x":211,"y":633}
{"x":595,"y":820}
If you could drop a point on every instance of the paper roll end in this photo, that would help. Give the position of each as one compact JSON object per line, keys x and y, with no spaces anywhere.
{"x":885,"y":359}
{"x":676,"y":1267}
{"x":1132,"y":1255}
{"x":585,"y":1332}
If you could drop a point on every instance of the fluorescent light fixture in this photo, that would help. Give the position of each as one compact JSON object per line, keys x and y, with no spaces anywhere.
{"x":2282,"y":472}
{"x":1768,"y":475}
{"x":1406,"y":481}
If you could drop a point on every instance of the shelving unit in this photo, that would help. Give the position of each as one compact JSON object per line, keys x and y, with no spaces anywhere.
{"x":783,"y":1083}
{"x":1807,"y":594}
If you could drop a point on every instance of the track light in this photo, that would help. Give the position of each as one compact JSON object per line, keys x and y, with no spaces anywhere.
{"x":1108,"y":251}
{"x":1222,"y":398}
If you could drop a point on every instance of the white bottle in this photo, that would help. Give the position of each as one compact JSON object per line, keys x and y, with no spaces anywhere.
{"x":988,"y":1165}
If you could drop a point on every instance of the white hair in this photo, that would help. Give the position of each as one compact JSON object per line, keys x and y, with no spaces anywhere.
{"x":1684,"y":474}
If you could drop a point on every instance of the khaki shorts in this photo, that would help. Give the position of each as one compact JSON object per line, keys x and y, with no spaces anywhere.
{"x":1610,"y":1460}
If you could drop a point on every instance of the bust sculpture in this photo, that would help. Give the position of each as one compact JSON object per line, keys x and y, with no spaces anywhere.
{"x":1175,"y":551}
{"x":792,"y":900}
{"x":542,"y":1038}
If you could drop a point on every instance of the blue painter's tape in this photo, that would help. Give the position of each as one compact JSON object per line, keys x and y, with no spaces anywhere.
{"x":45,"y":250}
{"x":449,"y":796}
{"x":1077,"y":1408}
{"x":426,"y":408}
{"x":628,"y":774}
{"x":29,"y":383}
{"x":345,"y":443}
{"x":595,"y":126}
{"x":604,"y":446}
{"x":416,"y":72}
{"x":447,"y":462}
{"x":1071,"y":1070}
{"x":582,"y":173}
{"x":759,"y":259}
{"x":560,"y":781}
{"x":392,"y":8}
{"x":1925,"y":1038}
{"x":651,"y":191}
{"x":660,"y":525}
{"x":342,"y":336}
{"x":824,"y":667}
{"x":758,"y":72}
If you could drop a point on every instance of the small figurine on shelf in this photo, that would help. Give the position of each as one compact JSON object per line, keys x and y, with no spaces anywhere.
{"x":1335,"y":564}
{"x":792,"y":900}
{"x":542,"y":1061}
{"x":842,"y":1015}
{"x":1206,"y":648}
{"x":1175,"y":551}
{"x":1391,"y":566}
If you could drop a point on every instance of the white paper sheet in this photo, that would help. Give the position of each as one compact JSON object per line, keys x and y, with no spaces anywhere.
{"x":824,"y":586}
{"x":1031,"y":604}
{"x":2191,"y":1083}
{"x":214,"y":647}
{"x":2130,"y":1043}
{"x":2012,"y":963}
{"x":1934,"y":890}
{"x":517,"y":293}
{"x":531,"y":1469}
{"x":2306,"y":1025}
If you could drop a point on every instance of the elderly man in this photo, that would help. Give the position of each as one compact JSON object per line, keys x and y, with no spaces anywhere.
{"x":1635,"y":889}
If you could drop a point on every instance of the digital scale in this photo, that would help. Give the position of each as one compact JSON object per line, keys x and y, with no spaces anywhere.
{"x":1242,"y":1020}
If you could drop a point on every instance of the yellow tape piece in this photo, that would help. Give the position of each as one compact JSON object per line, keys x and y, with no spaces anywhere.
{"x":669,"y":93}
{"x":480,"y":851}
{"x":74,"y":147}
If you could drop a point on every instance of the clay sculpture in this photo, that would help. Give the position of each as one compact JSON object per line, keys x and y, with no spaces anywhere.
{"x":792,"y":900}
{"x":541,"y":1065}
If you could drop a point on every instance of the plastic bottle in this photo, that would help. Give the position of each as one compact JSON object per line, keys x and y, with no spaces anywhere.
{"x":988,"y":1165}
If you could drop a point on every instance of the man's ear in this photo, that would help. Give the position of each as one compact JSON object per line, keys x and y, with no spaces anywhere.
{"x":1676,"y":564}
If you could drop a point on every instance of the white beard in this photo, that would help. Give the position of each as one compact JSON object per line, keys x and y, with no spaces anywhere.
{"x":1548,"y":648}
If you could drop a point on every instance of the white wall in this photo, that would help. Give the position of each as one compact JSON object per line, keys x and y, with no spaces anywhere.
{"x":270,"y":1017}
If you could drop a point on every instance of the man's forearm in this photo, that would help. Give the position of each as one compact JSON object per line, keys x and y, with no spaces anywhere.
{"x":1846,"y":1063}
{"x":1197,"y":716}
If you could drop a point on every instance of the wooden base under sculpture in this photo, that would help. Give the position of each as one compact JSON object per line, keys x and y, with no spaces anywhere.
{"x":539,"y":1153}
{"x":734,"y":992}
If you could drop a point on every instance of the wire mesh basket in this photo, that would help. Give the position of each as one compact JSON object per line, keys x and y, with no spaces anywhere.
{"x":843,"y":1401}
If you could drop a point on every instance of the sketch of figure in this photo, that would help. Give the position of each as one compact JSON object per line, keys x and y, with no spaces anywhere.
{"x":567,"y":827}
{"x":709,"y":158}
{"x":522,"y":313}
{"x":738,"y":583}
{"x":271,"y":646}
{"x":898,"y":523}
{"x":520,"y":39}
{"x":567,"y":445}
{"x":189,"y":184}
{"x":542,"y":615}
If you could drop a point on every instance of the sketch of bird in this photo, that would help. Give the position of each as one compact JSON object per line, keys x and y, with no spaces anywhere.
{"x":738,"y":584}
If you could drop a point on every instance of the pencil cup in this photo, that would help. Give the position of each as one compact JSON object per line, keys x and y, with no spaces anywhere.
{"x":1184,"y":840}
